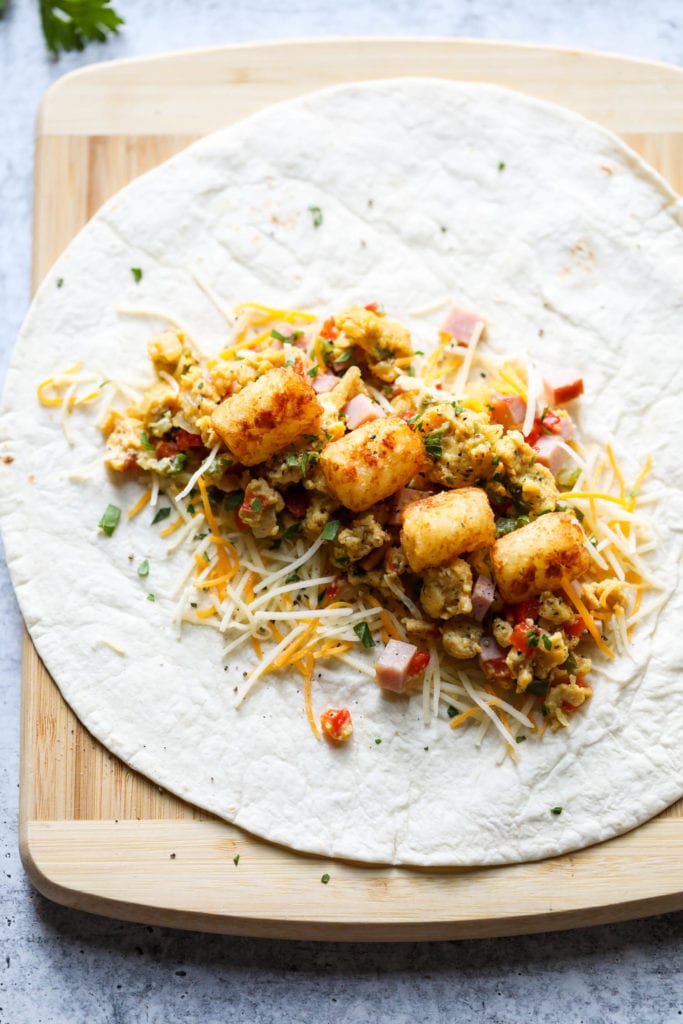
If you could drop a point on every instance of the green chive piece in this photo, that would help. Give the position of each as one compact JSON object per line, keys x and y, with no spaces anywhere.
{"x":234,"y":500}
{"x":325,"y":878}
{"x":362,"y":631}
{"x":501,"y":166}
{"x":60,"y":282}
{"x":162,"y":514}
{"x":556,"y":810}
{"x":331,"y":529}
{"x":143,"y":568}
{"x":151,"y":597}
{"x":145,"y":441}
{"x":378,"y":741}
{"x":137,"y":274}
{"x":317,"y":215}
{"x":520,"y":739}
{"x":257,"y":505}
{"x":236,"y":859}
{"x":109,"y":520}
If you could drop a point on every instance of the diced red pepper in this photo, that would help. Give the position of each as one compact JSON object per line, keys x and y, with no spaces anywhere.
{"x":526,"y":610}
{"x":519,"y":638}
{"x":497,"y":670}
{"x":329,"y":331}
{"x":185,"y":440}
{"x":576,"y":627}
{"x":166,"y":450}
{"x":375,"y":308}
{"x":418,"y":663}
{"x":566,"y":706}
{"x":336,"y":724}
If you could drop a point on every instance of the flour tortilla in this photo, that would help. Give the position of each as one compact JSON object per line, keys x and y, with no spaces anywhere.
{"x":430,"y":191}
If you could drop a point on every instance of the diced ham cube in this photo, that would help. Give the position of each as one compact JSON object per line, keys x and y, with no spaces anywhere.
{"x":406,"y":496}
{"x":562,"y":386}
{"x":391,"y":671}
{"x":324,"y":382}
{"x":567,"y":427}
{"x":508,"y":410}
{"x":550,"y":453}
{"x":361,"y":409}
{"x":464,"y":326}
{"x":483,"y":593}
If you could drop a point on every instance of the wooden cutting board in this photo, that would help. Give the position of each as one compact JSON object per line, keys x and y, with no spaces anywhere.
{"x":97,"y":836}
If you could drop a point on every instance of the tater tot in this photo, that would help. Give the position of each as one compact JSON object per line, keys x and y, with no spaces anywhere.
{"x":372,"y":462}
{"x":538,"y":556}
{"x":439,"y":528}
{"x":267,"y":415}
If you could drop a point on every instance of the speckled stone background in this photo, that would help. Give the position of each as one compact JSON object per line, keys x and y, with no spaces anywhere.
{"x":62,"y":967}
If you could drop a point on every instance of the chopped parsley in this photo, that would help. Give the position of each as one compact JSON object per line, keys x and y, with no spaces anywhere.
{"x":145,"y":441}
{"x":378,"y":741}
{"x":433,"y":442}
{"x":143,"y":568}
{"x":520,"y":739}
{"x":362,"y":631}
{"x":278,"y":337}
{"x":317,"y":215}
{"x":556,"y":810}
{"x":314,"y":371}
{"x":325,"y":878}
{"x":539,"y":687}
{"x":293,"y":578}
{"x":452,"y":712}
{"x":345,"y":355}
{"x":109,"y":520}
{"x":151,"y":597}
{"x":257,"y":505}
{"x":547,"y":642}
{"x":163,"y":513}
{"x":501,"y":166}
{"x":137,"y":274}
{"x":331,"y":529}
{"x":457,"y":408}
{"x":178,"y":461}
{"x":292,"y":531}
{"x":236,"y":859}
{"x":60,"y":282}
{"x":232,"y":501}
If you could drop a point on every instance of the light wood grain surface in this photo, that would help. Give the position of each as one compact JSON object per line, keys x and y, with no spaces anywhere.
{"x":97,"y":836}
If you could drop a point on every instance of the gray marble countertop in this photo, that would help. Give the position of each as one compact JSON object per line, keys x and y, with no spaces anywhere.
{"x":58,"y":965}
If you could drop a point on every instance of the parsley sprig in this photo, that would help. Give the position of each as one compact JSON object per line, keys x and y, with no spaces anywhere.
{"x":72,"y":24}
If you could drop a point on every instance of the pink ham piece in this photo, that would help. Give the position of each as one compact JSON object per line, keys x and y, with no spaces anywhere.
{"x":464,"y":326}
{"x":483,"y":593}
{"x":508,"y":410}
{"x":324,"y":383}
{"x":567,"y":426}
{"x":550,"y":452}
{"x":361,"y":409}
{"x":562,"y":386}
{"x":391,"y":671}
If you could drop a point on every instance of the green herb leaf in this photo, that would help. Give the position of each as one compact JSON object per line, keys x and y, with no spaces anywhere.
{"x":452,"y":712}
{"x":145,"y":441}
{"x":60,"y":282}
{"x":345,"y":355}
{"x":143,"y":568}
{"x":570,"y":664}
{"x":151,"y":597}
{"x":293,"y":578}
{"x":162,"y":513}
{"x":109,"y":520}
{"x":378,"y":741}
{"x":289,"y":363}
{"x":314,"y":371}
{"x":236,"y":859}
{"x":234,"y":500}
{"x":325,"y":878}
{"x":292,"y":531}
{"x":137,"y":274}
{"x":178,"y":461}
{"x":331,"y":529}
{"x":278,"y":337}
{"x":257,"y":505}
{"x":520,"y":739}
{"x":556,"y":810}
{"x":317,"y":215}
{"x":362,"y":631}
{"x":71,"y":24}
{"x":547,"y":642}
{"x":501,"y":166}
{"x":539,"y":687}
